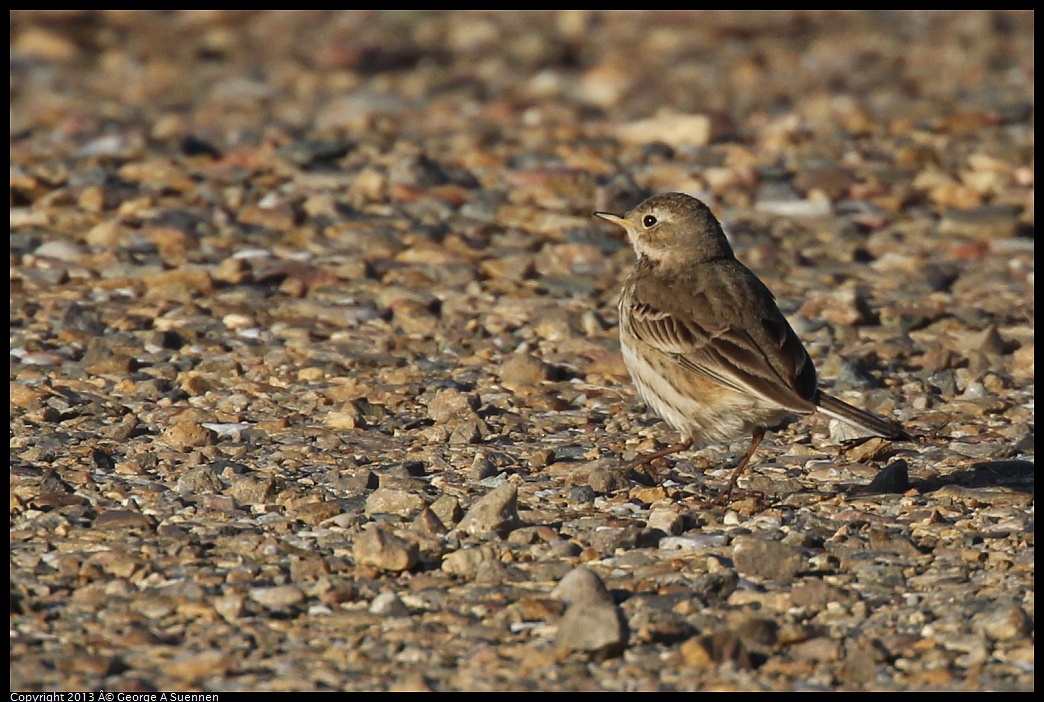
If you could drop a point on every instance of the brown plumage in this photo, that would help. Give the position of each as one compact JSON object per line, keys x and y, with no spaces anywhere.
{"x":707,"y":347}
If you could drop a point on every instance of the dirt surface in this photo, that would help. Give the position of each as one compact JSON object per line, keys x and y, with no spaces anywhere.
{"x":315,"y":380}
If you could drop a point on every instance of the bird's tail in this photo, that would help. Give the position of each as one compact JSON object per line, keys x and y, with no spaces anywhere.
{"x":861,"y":419}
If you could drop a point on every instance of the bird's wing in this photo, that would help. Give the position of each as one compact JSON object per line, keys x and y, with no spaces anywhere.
{"x":767,"y":362}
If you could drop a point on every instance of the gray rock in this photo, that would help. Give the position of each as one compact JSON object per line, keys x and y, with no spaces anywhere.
{"x":495,"y":513}
{"x":767,"y":559}
{"x":388,"y":604}
{"x":279,"y":597}
{"x":596,"y":629}
{"x":581,"y":586}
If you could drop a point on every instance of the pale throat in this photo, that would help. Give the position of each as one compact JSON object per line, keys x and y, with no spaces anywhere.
{"x":644,"y":250}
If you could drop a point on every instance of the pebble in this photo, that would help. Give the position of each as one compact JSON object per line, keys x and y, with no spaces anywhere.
{"x":767,"y":559}
{"x":597,"y":630}
{"x":253,"y":490}
{"x":394,"y":501}
{"x":1007,"y":624}
{"x":188,"y":434}
{"x":581,"y":586}
{"x":675,"y":130}
{"x":494,"y":513}
{"x":388,"y":604}
{"x":278,"y":597}
{"x":381,"y":549}
{"x":122,"y":519}
{"x":711,"y":650}
{"x":468,"y":562}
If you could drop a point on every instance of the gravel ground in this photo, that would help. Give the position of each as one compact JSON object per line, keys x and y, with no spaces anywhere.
{"x":315,"y":381}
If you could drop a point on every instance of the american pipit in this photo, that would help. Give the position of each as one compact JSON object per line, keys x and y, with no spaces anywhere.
{"x":704,"y":341}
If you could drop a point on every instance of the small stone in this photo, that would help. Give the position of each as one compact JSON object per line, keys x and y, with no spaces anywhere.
{"x":447,"y":509}
{"x":482,"y":467}
{"x":469,"y":431}
{"x":861,"y":663}
{"x":122,"y":519}
{"x":410,"y":682}
{"x":514,"y":267}
{"x":60,"y":251}
{"x":278,"y":597}
{"x":450,"y":403}
{"x":756,"y":633}
{"x":394,"y":501}
{"x":345,"y":419}
{"x":648,"y":495}
{"x":315,"y":513}
{"x":541,"y":458}
{"x":427,"y":522}
{"x":495,"y":513}
{"x":522,"y":370}
{"x":596,"y":629}
{"x":44,"y":44}
{"x":832,"y":180}
{"x":581,"y":585}
{"x":251,"y":490}
{"x":605,"y":480}
{"x":843,"y":307}
{"x":812,"y":208}
{"x":109,"y":355}
{"x":381,"y":549}
{"x":200,"y":480}
{"x":711,"y":650}
{"x":188,"y":434}
{"x":816,"y":594}
{"x":984,"y":223}
{"x":565,"y":261}
{"x":179,"y":285}
{"x":1007,"y":624}
{"x":229,"y":606}
{"x":194,"y":667}
{"x":675,"y":130}
{"x":581,"y":494}
{"x":820,"y":648}
{"x":388,"y":604}
{"x":609,"y":540}
{"x":88,"y":664}
{"x":694,"y":543}
{"x":233,"y":271}
{"x":988,"y":341}
{"x":666,"y":520}
{"x":764,"y":558}
{"x":715,"y":587}
{"x":872,"y":449}
{"x":468,"y":561}
{"x":308,"y":567}
{"x":25,"y":397}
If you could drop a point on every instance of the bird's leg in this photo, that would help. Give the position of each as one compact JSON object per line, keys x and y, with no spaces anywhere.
{"x":759,"y":434}
{"x":648,"y":458}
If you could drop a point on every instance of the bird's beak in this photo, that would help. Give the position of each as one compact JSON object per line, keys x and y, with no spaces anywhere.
{"x":609,"y":217}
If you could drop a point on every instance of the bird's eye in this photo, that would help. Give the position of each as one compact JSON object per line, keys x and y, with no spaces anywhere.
{"x":648,"y":221}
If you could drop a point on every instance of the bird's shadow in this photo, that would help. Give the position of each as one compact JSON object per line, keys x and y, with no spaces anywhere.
{"x":1013,"y":474}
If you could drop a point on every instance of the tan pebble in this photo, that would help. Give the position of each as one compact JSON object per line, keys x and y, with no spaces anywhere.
{"x":188,"y":434}
{"x":677,"y":130}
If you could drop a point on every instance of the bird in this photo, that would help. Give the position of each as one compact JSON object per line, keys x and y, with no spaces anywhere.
{"x":704,"y":341}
